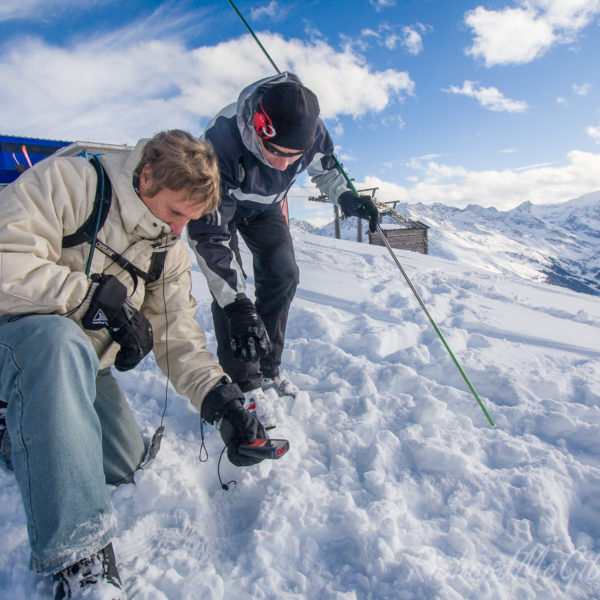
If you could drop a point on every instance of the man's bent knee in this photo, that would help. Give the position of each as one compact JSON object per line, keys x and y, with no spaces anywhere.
{"x":56,"y":338}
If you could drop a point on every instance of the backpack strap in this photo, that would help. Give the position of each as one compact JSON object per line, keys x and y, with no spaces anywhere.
{"x":157,"y":265}
{"x":89,"y":230}
{"x":99,"y":212}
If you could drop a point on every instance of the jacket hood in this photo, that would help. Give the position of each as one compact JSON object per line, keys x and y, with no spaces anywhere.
{"x":246,"y":107}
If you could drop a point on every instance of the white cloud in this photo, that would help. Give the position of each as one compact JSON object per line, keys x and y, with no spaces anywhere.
{"x":368,"y":32}
{"x":381,"y":4}
{"x":433,"y":171}
{"x":342,"y":80}
{"x":412,"y":40}
{"x":271,"y":10}
{"x":426,"y":157}
{"x":410,"y":37}
{"x":391,"y":40}
{"x":488,"y":97}
{"x":594,"y":133}
{"x":383,"y":36}
{"x":519,"y":34}
{"x":316,"y":213}
{"x":570,"y":16}
{"x":387,"y":191}
{"x":395,"y":121}
{"x":41,"y":9}
{"x":343,"y":155}
{"x":583,"y":89}
{"x":455,"y":186}
{"x":124,"y":86}
{"x":513,"y":35}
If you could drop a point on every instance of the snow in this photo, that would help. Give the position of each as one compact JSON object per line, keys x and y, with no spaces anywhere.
{"x":395,"y":486}
{"x":555,"y":243}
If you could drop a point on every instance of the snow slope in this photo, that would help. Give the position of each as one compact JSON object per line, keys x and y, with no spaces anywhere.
{"x":395,"y":486}
{"x":556,"y":243}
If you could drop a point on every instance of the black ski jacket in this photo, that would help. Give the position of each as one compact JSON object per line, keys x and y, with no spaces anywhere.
{"x":249,"y":185}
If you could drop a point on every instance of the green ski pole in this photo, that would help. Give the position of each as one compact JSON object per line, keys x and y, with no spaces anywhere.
{"x":239,"y":14}
{"x":410,"y":284}
{"x":422,"y":304}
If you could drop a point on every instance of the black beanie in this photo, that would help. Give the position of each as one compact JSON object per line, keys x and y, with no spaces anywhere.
{"x":287,"y":116}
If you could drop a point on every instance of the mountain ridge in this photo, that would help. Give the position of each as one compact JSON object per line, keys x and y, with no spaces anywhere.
{"x":553,"y":243}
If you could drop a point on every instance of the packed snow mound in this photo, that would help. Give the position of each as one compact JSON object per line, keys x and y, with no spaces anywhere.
{"x":395,"y":487}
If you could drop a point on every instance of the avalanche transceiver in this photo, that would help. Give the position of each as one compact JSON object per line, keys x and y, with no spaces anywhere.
{"x":265,"y":448}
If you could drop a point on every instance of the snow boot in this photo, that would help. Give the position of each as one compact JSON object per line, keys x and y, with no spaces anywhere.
{"x":93,"y":578}
{"x":282,"y":385}
{"x":261,"y":405}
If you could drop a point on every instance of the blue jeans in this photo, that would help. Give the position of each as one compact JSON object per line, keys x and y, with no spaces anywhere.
{"x":71,"y":432}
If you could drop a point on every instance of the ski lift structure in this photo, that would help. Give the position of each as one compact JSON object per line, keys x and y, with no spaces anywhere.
{"x":400,"y":232}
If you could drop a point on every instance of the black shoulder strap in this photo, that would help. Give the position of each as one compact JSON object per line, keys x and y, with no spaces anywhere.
{"x":94,"y":223}
{"x":157,"y":265}
{"x":99,"y":212}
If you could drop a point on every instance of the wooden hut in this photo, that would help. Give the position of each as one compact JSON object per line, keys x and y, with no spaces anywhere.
{"x":409,"y":235}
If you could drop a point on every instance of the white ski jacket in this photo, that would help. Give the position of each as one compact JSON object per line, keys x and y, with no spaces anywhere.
{"x":37,"y":275}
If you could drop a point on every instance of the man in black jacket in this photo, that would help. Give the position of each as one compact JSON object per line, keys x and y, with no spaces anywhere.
{"x":263,"y":142}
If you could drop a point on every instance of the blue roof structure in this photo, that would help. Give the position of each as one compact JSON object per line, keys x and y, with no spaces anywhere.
{"x":19,"y":153}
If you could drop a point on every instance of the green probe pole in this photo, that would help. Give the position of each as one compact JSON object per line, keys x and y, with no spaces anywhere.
{"x":419,"y":299}
{"x":412,"y":287}
{"x":239,"y":14}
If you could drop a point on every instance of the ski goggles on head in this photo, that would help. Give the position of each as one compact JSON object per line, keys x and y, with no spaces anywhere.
{"x":271,"y":148}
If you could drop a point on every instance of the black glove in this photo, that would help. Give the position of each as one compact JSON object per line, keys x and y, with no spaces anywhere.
{"x":359,"y":206}
{"x":248,"y":337}
{"x":223,"y":408}
{"x":110,"y":308}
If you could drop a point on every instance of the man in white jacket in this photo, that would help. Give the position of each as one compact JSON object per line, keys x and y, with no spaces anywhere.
{"x":69,"y":310}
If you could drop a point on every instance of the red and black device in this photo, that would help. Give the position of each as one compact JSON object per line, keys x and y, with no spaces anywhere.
{"x":265,"y":448}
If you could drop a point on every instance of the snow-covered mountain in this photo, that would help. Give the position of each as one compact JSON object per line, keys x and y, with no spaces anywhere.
{"x":558,"y":243}
{"x":395,"y":487}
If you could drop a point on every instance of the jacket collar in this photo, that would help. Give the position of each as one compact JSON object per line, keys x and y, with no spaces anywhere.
{"x":135,"y":215}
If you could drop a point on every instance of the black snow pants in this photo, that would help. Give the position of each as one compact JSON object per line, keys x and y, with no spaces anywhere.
{"x":276,"y":274}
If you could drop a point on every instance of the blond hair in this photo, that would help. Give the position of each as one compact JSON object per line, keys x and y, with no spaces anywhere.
{"x":179,"y":161}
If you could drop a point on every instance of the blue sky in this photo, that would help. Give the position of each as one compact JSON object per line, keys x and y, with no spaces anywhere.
{"x":485,"y":102}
